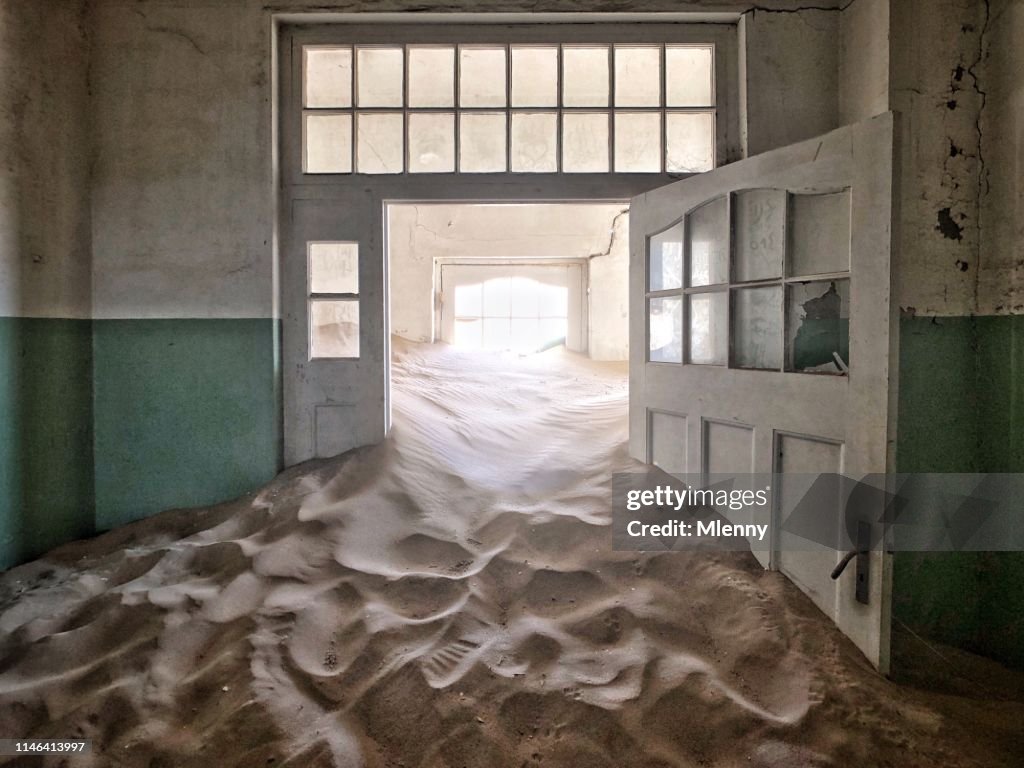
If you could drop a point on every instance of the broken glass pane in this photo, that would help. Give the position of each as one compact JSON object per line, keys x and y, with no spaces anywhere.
{"x":328,"y":144}
{"x":431,"y":76}
{"x":690,"y":140}
{"x":481,"y":76}
{"x":534,"y":76}
{"x":708,"y":342}
{"x":759,"y":233}
{"x":665,"y":330}
{"x":482,"y":142}
{"x":534,"y":142}
{"x":665,"y":266}
{"x":757,"y":327}
{"x":818,"y":326}
{"x":334,"y":268}
{"x":708,"y":234}
{"x":379,"y":77}
{"x":637,"y":142}
{"x":637,"y":76}
{"x":585,"y":142}
{"x":379,"y":145}
{"x":819,"y":234}
{"x":585,"y":76}
{"x":688,"y":78}
{"x":328,"y":77}
{"x":431,"y":142}
{"x":334,"y":328}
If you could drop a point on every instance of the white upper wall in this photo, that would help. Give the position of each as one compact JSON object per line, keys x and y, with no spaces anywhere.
{"x":44,"y":159}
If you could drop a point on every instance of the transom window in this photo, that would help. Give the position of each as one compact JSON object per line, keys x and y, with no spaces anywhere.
{"x":757,"y":279}
{"x":497,"y":108}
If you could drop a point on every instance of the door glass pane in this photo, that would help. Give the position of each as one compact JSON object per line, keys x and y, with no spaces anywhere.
{"x":708,"y":228}
{"x":637,"y":142}
{"x":665,"y":330}
{"x":431,"y":76}
{"x":690,"y":141}
{"x":818,"y":326}
{"x":759,"y":233}
{"x":481,"y":76}
{"x":757,"y":327}
{"x":534,"y":142}
{"x":328,"y":77}
{"x":431,"y":142}
{"x":665,"y":265}
{"x":334,"y":328}
{"x":708,"y":342}
{"x":534,"y":76}
{"x":334,"y":268}
{"x":379,"y":77}
{"x":379,"y":145}
{"x":688,"y":79}
{"x":585,"y":142}
{"x":482,"y":142}
{"x":328,"y":143}
{"x":819,"y":234}
{"x":585,"y":76}
{"x":637,"y":76}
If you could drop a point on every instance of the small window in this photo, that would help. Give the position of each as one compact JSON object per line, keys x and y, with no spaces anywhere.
{"x":333,"y":300}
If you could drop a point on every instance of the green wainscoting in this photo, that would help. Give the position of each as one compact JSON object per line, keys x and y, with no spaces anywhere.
{"x":186,"y":413}
{"x":46,"y":440}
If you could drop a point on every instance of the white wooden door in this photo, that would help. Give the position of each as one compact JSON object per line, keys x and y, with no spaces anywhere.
{"x":514,"y":306}
{"x":763,"y":339}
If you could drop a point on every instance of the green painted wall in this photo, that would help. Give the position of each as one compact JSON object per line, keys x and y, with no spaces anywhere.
{"x":186,"y":413}
{"x":961,"y":409}
{"x":46,"y":440}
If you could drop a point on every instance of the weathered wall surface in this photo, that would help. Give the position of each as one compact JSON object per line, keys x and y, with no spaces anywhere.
{"x":863,"y":60}
{"x":419,"y":234}
{"x":46,"y":486}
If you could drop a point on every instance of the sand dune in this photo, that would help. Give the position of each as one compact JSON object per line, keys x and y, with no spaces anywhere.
{"x":446,"y":600}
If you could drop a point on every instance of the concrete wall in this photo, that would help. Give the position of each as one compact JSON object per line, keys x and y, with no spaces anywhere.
{"x":46,"y":486}
{"x":863,"y":60}
{"x":419,"y":234}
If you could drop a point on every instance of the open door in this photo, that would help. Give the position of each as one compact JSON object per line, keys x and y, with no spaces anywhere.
{"x":763,"y":340}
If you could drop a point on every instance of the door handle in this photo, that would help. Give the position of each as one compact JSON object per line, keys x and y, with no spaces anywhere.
{"x":862,"y":554}
{"x":841,"y":565}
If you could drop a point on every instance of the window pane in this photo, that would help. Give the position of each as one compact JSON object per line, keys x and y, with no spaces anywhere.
{"x":525,"y":297}
{"x":469,"y":333}
{"x":535,"y":142}
{"x":525,"y":333}
{"x":334,"y":328}
{"x":665,"y":265}
{"x":638,"y":142}
{"x":757,"y":327}
{"x":328,"y":143}
{"x":819,"y":233}
{"x":498,"y":297}
{"x":818,"y":326}
{"x":482,"y":142}
{"x":328,"y":77}
{"x":534,"y":76}
{"x":708,"y":228}
{"x":469,"y":300}
{"x":553,"y":329}
{"x":554,"y":300}
{"x":760,"y":216}
{"x":379,"y":77}
{"x":665,"y":330}
{"x":431,"y":142}
{"x":497,"y":333}
{"x":637,"y":76}
{"x":688,"y":81}
{"x":481,"y":77}
{"x":691,"y":141}
{"x":334,"y":268}
{"x":380,"y":143}
{"x":585,"y":76}
{"x":585,"y":142}
{"x":431,"y":76}
{"x":708,"y":323}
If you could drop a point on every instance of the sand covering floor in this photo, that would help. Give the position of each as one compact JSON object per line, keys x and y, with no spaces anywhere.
{"x":449,"y":598}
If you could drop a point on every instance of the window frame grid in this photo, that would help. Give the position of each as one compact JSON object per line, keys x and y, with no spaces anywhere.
{"x":609,"y":111}
{"x":731,"y":285}
{"x":313,"y":297}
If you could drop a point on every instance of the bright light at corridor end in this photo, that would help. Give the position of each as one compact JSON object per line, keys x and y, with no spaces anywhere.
{"x":509,"y":313}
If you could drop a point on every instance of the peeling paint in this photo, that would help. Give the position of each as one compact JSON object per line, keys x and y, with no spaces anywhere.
{"x":948,"y":226}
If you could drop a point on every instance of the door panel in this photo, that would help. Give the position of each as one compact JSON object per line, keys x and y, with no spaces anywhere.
{"x":782,"y":356}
